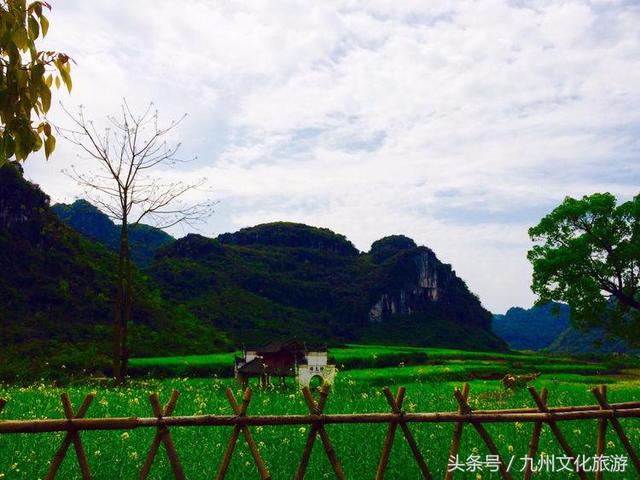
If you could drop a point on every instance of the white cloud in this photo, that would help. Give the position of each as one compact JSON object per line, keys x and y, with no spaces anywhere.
{"x":458,"y":123}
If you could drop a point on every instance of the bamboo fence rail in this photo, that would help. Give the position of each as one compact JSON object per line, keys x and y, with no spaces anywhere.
{"x":604,"y":413}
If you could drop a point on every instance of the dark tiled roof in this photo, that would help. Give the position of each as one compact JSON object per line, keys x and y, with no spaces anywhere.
{"x":292,"y":346}
{"x":256,"y":366}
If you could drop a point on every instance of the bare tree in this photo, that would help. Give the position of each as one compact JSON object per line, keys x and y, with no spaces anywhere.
{"x":126,"y":152}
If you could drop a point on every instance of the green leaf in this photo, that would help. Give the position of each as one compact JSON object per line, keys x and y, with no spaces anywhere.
{"x":64,"y":74}
{"x":34,"y":27}
{"x":49,"y":146}
{"x":45,"y":96}
{"x":37,"y":71}
{"x":44,"y":23}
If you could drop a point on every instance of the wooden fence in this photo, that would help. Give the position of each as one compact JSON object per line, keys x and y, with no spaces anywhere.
{"x":75,"y":422}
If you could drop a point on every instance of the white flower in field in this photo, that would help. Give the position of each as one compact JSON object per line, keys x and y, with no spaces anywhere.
{"x":610,"y":444}
{"x":261,"y":444}
{"x":259,"y":428}
{"x":97,"y":453}
{"x":133,"y":455}
{"x":510,"y":448}
{"x":125,"y":436}
{"x":365,"y":396}
{"x":302,"y":429}
{"x":412,"y":407}
{"x":292,"y":396}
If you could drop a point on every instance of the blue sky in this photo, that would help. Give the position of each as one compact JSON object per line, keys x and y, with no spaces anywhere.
{"x":458,"y":123}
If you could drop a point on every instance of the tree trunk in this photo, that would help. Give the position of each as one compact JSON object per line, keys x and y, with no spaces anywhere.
{"x":123,"y":304}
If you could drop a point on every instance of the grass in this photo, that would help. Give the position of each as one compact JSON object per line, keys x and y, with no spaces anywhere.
{"x":361,"y":356}
{"x":120,"y":454}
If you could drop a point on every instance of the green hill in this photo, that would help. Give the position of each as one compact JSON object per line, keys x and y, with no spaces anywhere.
{"x":272,"y":281}
{"x":91,"y":222}
{"x":534,"y":328}
{"x":56,"y":291}
{"x":547,"y":327}
{"x":284,"y":279}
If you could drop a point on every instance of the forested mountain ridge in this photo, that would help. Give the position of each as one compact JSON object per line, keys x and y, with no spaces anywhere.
{"x":144,"y":240}
{"x":286,"y":279}
{"x":534,"y":328}
{"x":56,"y":294}
{"x":200,"y":295}
{"x":547,"y":327}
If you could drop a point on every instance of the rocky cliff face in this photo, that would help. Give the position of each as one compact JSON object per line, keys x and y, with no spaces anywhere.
{"x":407,"y":298}
{"x":284,"y":279}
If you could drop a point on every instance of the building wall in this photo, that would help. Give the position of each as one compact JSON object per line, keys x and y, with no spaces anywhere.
{"x":316,"y":358}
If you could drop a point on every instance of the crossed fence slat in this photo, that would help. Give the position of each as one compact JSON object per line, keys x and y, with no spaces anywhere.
{"x":605,"y":413}
{"x":318,"y":428}
{"x":163,"y":436}
{"x":240,"y":411}
{"x":457,"y":434}
{"x":600,"y":395}
{"x":72,"y":436}
{"x":535,"y":439}
{"x":542,"y":407}
{"x":602,"y":431}
{"x":486,"y":438}
{"x":396,"y":408}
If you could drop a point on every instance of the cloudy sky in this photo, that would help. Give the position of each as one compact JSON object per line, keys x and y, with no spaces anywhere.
{"x":458,"y":123}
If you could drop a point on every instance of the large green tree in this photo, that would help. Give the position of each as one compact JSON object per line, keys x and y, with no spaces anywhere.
{"x":587,"y":254}
{"x":26,"y":78}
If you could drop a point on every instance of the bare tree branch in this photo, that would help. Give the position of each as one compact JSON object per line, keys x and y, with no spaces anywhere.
{"x":124,"y":152}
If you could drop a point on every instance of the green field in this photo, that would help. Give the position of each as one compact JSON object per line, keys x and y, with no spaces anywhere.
{"x":430,"y":376}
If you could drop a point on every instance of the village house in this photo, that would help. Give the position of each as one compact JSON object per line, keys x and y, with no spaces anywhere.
{"x":284,"y":359}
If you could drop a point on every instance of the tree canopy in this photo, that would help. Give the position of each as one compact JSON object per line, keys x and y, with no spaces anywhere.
{"x":588,"y":255}
{"x":26,"y":78}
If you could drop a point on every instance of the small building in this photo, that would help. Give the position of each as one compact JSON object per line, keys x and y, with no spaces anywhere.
{"x":284,"y":359}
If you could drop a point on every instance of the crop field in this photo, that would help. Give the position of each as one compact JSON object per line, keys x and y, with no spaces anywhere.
{"x":429,"y":375}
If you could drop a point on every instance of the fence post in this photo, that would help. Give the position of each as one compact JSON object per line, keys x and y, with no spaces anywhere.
{"x":484,"y":435}
{"x":602,"y":436}
{"x":318,"y":428}
{"x":163,"y":436}
{"x":457,"y":435}
{"x":556,"y":431}
{"x":615,"y":423}
{"x":535,"y":440}
{"x":237,"y":409}
{"x":72,"y":436}
{"x":388,"y":441}
{"x":396,"y":408}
